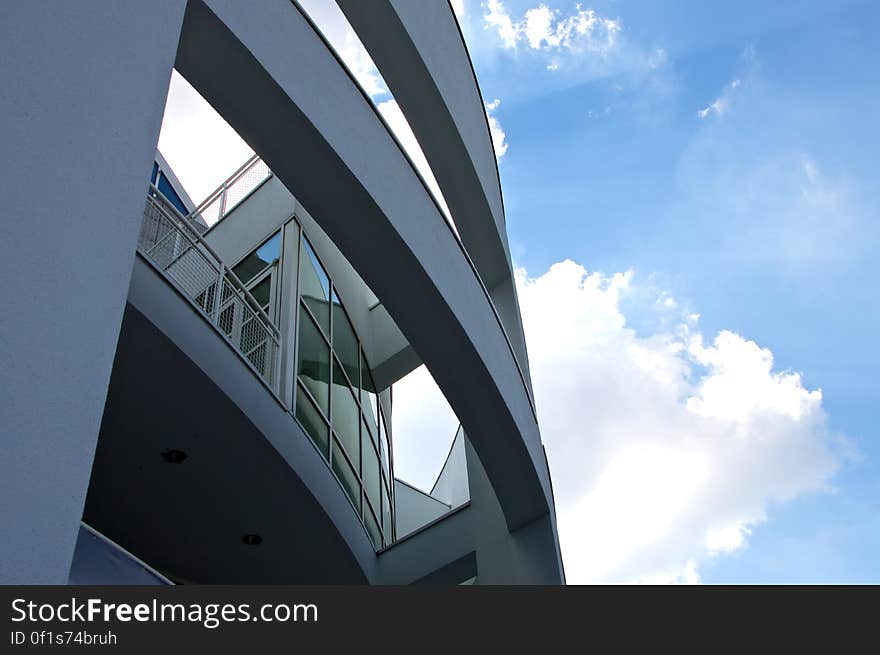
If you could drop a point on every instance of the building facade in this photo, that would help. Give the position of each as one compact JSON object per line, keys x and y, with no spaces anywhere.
{"x":203,"y":394}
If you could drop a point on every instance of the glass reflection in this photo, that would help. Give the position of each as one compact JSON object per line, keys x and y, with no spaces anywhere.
{"x":346,"y":475}
{"x":313,"y":360}
{"x":315,"y":425}
{"x":370,"y":471}
{"x":345,"y":415}
{"x":338,"y":402}
{"x":372,"y":527}
{"x":369,"y":396}
{"x":345,"y":343}
{"x":315,"y":287}
{"x":259,"y":259}
{"x":386,"y":515}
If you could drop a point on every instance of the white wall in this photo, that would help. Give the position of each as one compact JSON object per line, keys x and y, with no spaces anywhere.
{"x":84,"y":86}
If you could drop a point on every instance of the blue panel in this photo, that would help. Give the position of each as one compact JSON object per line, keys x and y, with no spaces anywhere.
{"x":168,"y":191}
{"x":153,"y":174}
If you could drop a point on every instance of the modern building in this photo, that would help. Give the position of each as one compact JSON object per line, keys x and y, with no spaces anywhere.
{"x":203,"y":393}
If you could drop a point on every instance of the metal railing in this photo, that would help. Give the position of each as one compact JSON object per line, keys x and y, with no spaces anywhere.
{"x":235,"y":189}
{"x":171,"y":243}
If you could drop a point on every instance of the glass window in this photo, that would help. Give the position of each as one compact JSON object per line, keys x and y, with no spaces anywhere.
{"x":372,"y":527}
{"x":261,"y":292}
{"x":345,"y":343}
{"x":346,"y":475}
{"x":313,"y":422}
{"x":345,"y":415}
{"x":168,"y":191}
{"x":385,"y":437}
{"x":385,"y":453}
{"x":315,"y":287}
{"x":259,"y":259}
{"x":386,"y":515}
{"x":154,"y":173}
{"x":369,"y":396}
{"x":370,"y":471}
{"x":313,"y":365}
{"x":332,"y":366}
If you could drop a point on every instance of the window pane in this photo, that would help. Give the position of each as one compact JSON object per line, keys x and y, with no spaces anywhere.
{"x":311,"y":420}
{"x":345,"y":344}
{"x":372,"y":527}
{"x":313,"y":365}
{"x":346,"y":476}
{"x":386,"y":516}
{"x":385,"y":454}
{"x":259,"y":259}
{"x":345,"y":415}
{"x":155,"y":171}
{"x":261,"y":291}
{"x":370,"y":471}
{"x":369,"y":399}
{"x":385,"y":438}
{"x":315,"y":287}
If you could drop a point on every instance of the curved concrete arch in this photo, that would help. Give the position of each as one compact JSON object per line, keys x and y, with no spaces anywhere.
{"x":278,"y":84}
{"x":420,"y":51}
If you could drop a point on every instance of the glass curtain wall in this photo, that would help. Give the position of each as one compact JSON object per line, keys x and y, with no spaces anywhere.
{"x":337,"y":401}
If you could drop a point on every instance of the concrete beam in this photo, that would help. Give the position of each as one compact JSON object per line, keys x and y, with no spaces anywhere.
{"x":419,"y":50}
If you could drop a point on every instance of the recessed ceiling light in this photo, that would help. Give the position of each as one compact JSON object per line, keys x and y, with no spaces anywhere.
{"x":252,"y":539}
{"x":173,"y":456}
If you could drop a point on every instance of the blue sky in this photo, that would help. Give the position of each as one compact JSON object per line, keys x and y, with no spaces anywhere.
{"x":692,"y":204}
{"x":761,"y":215}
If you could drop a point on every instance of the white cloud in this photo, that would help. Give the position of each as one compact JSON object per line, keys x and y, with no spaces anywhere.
{"x":458,"y":7}
{"x":543,"y":28}
{"x":337,"y":30}
{"x":498,"y":18}
{"x":722,"y":102}
{"x":362,"y":67}
{"x":499,"y":138}
{"x":665,"y":450}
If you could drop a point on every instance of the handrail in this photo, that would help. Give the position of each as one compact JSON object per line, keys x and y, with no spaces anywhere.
{"x":171,"y":242}
{"x":221,"y":193}
{"x":193,"y":235}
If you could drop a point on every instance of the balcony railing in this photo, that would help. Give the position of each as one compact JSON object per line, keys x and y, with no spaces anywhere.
{"x":235,"y":189}
{"x":171,"y":243}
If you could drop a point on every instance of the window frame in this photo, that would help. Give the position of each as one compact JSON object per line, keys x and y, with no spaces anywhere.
{"x":385,"y":481}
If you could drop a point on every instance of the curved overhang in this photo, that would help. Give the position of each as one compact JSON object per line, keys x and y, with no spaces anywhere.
{"x":248,"y":469}
{"x":420,"y":53}
{"x":276,"y":82}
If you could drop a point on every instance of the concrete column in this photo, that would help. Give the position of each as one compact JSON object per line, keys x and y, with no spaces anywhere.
{"x":83,"y":90}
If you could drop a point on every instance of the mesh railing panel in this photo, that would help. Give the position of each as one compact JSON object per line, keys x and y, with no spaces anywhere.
{"x":175,"y":248}
{"x":233,"y":191}
{"x":249,"y":179}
